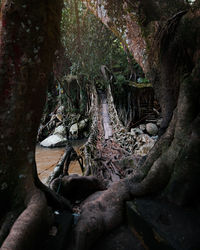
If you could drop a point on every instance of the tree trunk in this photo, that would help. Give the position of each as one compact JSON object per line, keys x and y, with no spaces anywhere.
{"x":29,"y":36}
{"x":27,"y":45}
{"x":172,"y":167}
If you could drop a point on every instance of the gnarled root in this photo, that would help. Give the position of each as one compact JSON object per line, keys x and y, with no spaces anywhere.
{"x":75,"y":187}
{"x":54,"y":200}
{"x":31,"y":223}
{"x":103,"y":211}
{"x":100,"y":214}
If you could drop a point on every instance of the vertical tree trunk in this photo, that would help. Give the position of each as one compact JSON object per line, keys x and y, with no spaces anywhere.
{"x":28,"y":38}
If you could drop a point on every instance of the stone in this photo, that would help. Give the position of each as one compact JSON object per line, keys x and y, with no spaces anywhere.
{"x":142,"y":127}
{"x":151,"y":128}
{"x":82,"y":124}
{"x":74,"y":129}
{"x":144,"y":149}
{"x":55,"y":140}
{"x":60,"y":130}
{"x":59,"y":113}
{"x":155,"y":137}
{"x":136,"y":131}
{"x":144,"y":138}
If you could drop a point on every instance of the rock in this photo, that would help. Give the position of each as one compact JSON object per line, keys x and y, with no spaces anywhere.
{"x":142,"y":127}
{"x":76,"y":127}
{"x":74,"y":130}
{"x":136,"y":131}
{"x":82,"y":124}
{"x":60,"y":130}
{"x":55,"y":140}
{"x":144,"y":144}
{"x":59,"y":113}
{"x":144,"y":138}
{"x":155,"y":137}
{"x":151,"y":128}
{"x":144,"y":149}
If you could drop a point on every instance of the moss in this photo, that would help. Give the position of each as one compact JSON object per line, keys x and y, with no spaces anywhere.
{"x":140,"y":85}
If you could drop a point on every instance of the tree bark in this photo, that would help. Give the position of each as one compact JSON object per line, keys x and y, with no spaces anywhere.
{"x":29,"y":36}
{"x":166,"y":44}
{"x":171,"y":169}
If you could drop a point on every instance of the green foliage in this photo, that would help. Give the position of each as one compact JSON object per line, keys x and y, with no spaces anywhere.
{"x":142,"y":80}
{"x":86,"y":41}
{"x":89,"y":44}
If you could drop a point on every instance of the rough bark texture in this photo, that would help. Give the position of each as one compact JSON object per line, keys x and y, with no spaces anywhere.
{"x":170,"y":56}
{"x":164,"y":39}
{"x":28,"y":38}
{"x":170,"y":34}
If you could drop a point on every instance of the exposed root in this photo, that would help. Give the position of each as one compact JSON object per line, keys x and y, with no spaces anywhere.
{"x":104,"y":211}
{"x":54,"y":199}
{"x":33,"y":221}
{"x":100,"y":214}
{"x":7,"y":223}
{"x":75,"y":187}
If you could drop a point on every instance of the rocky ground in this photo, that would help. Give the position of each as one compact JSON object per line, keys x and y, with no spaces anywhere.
{"x":55,"y":133}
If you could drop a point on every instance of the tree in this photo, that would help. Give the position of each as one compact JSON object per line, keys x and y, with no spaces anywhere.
{"x":164,"y":39}
{"x":28,"y":38}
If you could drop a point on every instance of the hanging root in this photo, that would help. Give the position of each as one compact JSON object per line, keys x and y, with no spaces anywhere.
{"x":33,"y":221}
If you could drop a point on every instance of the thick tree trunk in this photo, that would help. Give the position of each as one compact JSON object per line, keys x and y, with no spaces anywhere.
{"x":169,"y":48}
{"x":27,"y":43}
{"x":172,"y":167}
{"x":29,"y":36}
